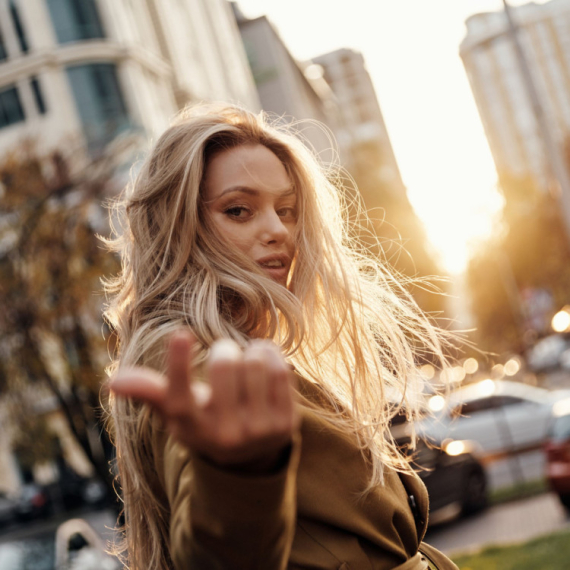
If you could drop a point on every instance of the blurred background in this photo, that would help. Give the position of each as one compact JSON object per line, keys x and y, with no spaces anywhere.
{"x":452,"y":122}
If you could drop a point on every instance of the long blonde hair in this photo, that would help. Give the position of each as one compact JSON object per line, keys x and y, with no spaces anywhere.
{"x":343,"y":321}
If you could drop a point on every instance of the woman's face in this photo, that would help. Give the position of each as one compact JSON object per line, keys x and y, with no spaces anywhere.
{"x":252,"y":204}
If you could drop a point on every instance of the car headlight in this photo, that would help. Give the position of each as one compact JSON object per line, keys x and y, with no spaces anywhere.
{"x":455,"y":447}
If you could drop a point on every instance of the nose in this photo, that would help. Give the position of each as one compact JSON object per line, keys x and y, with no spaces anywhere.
{"x":273,"y":230}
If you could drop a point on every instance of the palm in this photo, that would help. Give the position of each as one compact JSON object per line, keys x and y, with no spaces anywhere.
{"x":243,"y":416}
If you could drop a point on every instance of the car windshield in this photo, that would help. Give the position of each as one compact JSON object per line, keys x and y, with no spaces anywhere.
{"x":561,"y":428}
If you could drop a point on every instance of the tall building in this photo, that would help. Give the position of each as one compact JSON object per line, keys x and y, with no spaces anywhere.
{"x":496,"y":78}
{"x":98,"y":67}
{"x":87,"y":70}
{"x":362,"y":131}
{"x":288,"y":89}
{"x":367,"y":153}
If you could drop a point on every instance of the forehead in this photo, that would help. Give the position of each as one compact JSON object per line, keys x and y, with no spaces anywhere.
{"x":249,"y":166}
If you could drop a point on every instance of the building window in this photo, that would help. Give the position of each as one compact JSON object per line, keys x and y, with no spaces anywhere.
{"x":18,"y":26}
{"x":75,"y":20}
{"x":99,"y":101}
{"x":3,"y":52}
{"x":11,"y":110}
{"x":38,"y":95}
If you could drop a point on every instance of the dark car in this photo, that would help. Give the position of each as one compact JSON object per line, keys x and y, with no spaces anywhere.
{"x":451,"y":471}
{"x":453,"y":475}
{"x":32,"y":502}
{"x":557,"y":451}
{"x":7,"y":508}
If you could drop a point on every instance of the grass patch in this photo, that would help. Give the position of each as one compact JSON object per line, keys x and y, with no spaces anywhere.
{"x":519,"y":491}
{"x":550,"y":552}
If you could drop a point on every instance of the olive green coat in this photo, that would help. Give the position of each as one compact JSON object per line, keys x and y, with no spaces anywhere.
{"x":308,"y":515}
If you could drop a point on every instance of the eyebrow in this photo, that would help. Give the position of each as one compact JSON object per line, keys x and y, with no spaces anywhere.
{"x":253,"y":191}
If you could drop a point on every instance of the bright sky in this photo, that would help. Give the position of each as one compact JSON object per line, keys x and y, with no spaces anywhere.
{"x":411,"y":49}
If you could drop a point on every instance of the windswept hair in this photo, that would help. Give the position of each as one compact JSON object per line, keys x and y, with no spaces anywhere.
{"x":344,"y":322}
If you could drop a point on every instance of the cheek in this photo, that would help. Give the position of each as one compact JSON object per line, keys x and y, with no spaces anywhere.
{"x":236,"y":235}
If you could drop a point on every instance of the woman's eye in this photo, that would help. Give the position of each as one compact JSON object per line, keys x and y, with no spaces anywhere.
{"x":289,"y":213}
{"x":239,"y":212}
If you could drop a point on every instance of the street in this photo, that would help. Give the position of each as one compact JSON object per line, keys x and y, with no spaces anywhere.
{"x":513,"y":522}
{"x":31,"y":546}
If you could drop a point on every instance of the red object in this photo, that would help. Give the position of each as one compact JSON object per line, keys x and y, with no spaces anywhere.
{"x":558,"y":465}
{"x":39,"y":500}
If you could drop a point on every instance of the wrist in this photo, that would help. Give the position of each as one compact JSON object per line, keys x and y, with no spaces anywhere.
{"x":267,"y":464}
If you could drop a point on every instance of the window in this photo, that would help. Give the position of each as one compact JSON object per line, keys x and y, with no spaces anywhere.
{"x":3,"y":52}
{"x":38,"y":95}
{"x":11,"y":110}
{"x":475,"y":407}
{"x":504,"y":401}
{"x":75,"y":20}
{"x":99,"y":101}
{"x":18,"y":26}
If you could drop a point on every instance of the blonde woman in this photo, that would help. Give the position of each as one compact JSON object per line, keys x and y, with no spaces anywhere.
{"x":261,"y":358}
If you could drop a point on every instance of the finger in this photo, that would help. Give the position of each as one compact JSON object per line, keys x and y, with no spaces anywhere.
{"x":281,"y":386}
{"x":224,"y":370}
{"x":179,"y":395}
{"x":279,"y":374}
{"x":256,"y":377}
{"x":141,"y":384}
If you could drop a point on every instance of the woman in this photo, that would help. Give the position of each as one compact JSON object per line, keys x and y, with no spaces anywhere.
{"x":260,"y":361}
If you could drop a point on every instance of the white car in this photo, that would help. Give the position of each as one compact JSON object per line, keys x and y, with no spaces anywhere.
{"x":502,"y":416}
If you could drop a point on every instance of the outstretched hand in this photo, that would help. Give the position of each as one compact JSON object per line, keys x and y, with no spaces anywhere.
{"x":243,"y":417}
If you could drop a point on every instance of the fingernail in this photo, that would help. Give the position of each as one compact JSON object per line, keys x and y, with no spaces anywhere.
{"x":225,"y":348}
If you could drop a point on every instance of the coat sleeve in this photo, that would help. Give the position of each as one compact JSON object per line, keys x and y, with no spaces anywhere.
{"x":224,"y":520}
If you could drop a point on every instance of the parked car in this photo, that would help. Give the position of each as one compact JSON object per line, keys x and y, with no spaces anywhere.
{"x":7,"y":508}
{"x":451,"y":471}
{"x":502,"y":416}
{"x":557,"y":449}
{"x":74,"y":491}
{"x":550,"y":353}
{"x":32,"y":502}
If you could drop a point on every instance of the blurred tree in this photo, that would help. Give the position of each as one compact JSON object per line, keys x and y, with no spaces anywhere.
{"x":527,"y":258}
{"x":51,"y":263}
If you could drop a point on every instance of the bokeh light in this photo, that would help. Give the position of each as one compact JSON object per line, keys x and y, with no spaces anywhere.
{"x":498,"y":371}
{"x":427,"y":371}
{"x":561,"y":321}
{"x":470,"y":366}
{"x":436,"y":403}
{"x":486,"y":387}
{"x":512,"y":367}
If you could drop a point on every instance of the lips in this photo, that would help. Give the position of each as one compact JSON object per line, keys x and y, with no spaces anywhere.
{"x":277,"y":265}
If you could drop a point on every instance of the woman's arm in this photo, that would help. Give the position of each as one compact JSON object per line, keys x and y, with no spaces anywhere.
{"x":229,"y":453}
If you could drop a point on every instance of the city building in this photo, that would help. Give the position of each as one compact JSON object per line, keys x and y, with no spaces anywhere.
{"x":496,"y":78}
{"x":98,"y":67}
{"x":362,"y":132}
{"x":288,"y":89}
{"x":366,"y":152}
{"x":81,"y":72}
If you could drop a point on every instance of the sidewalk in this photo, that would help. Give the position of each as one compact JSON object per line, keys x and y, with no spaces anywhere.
{"x":503,"y":524}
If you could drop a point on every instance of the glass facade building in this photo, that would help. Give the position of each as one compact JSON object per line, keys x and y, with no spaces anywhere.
{"x":18,"y":27}
{"x":75,"y":20}
{"x":11,"y":110}
{"x":99,"y":101}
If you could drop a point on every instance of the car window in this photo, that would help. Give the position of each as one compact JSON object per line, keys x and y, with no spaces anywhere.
{"x":504,"y":401}
{"x":560,"y":428}
{"x":475,"y":407}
